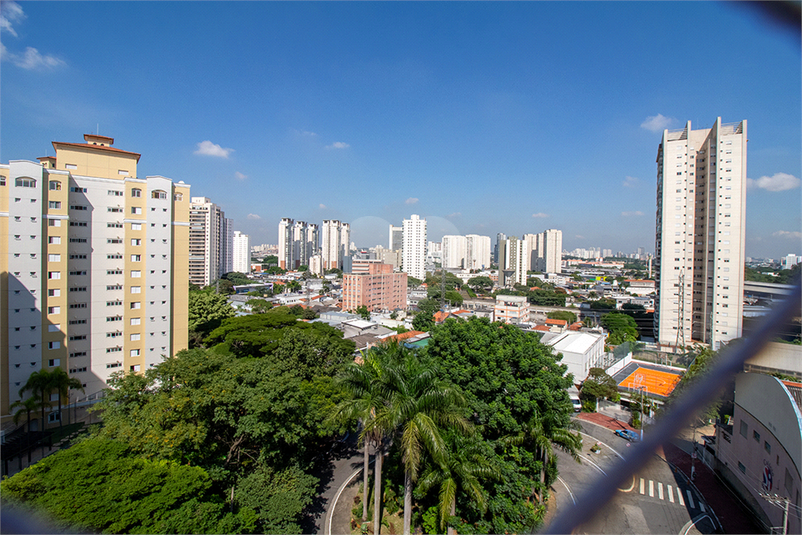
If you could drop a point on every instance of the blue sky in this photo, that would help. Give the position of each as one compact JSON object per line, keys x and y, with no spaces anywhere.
{"x":483,"y":117}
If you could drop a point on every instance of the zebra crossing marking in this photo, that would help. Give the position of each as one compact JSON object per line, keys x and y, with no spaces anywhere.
{"x":659,"y":490}
{"x":679,"y":497}
{"x":642,"y":486}
{"x":690,"y":497}
{"x":670,"y":490}
{"x":651,"y":488}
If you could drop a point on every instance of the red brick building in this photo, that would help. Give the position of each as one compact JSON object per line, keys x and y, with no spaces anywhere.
{"x":378,"y":289}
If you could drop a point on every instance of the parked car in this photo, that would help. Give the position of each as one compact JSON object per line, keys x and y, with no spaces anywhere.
{"x":626,"y":434}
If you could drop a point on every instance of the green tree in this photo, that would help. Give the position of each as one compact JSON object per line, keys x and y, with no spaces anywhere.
{"x":598,"y":385}
{"x":418,"y":406}
{"x":546,"y":298}
{"x":481,"y":284}
{"x":206,"y":311}
{"x":412,"y":282}
{"x":466,"y":464}
{"x":570,"y":317}
{"x":237,"y":278}
{"x":61,"y":382}
{"x":423,"y":321}
{"x":293,"y":286}
{"x":26,"y":406}
{"x":277,"y":497}
{"x":454,"y":298}
{"x":363,"y":311}
{"x":621,"y":328}
{"x":39,"y":384}
{"x":260,"y":306}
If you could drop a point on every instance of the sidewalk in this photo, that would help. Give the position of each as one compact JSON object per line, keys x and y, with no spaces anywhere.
{"x":605,"y":421}
{"x":732,"y":515}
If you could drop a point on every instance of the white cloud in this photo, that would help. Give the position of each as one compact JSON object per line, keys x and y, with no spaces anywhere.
{"x":412,"y":200}
{"x":656,"y":123}
{"x":207,"y":148}
{"x":631,"y":181}
{"x":31,"y":59}
{"x":540,"y":215}
{"x":253,"y":216}
{"x":338,"y":145}
{"x":322,"y":206}
{"x":240,"y":176}
{"x":776,"y":182}
{"x":579,"y":237}
{"x":455,"y":214}
{"x":635,"y":213}
{"x":10,"y":13}
{"x":788,"y":234}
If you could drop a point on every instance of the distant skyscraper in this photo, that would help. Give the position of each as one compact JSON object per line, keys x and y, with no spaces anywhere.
{"x":286,"y":258}
{"x":478,"y":254}
{"x":699,"y":246}
{"x":336,"y":240}
{"x":496,"y":254}
{"x":545,"y":251}
{"x":210,"y":242}
{"x":396,"y":238}
{"x":242,"y":252}
{"x":414,"y":248}
{"x":514,"y":261}
{"x":455,"y":249}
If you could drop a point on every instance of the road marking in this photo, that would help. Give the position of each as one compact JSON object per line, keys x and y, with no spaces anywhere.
{"x":702,"y":506}
{"x":690,"y":497}
{"x":330,"y":513}
{"x":568,"y":489}
{"x":679,"y":497}
{"x":670,"y":490}
{"x":602,"y":443}
{"x":642,"y":486}
{"x":651,"y":488}
{"x":631,"y":486}
{"x":660,"y":490}
{"x":596,"y":465}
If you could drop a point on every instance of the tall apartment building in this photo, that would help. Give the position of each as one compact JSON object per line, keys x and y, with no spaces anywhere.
{"x":396,"y":238}
{"x":699,"y":258}
{"x":241,"y":251}
{"x":414,"y":249}
{"x":94,"y":266}
{"x":336,"y":243}
{"x":455,"y":251}
{"x":499,"y":238}
{"x":298,"y":242}
{"x":546,"y":251}
{"x":374,"y":286}
{"x":478,"y":253}
{"x":210,"y":242}
{"x":513,"y":261}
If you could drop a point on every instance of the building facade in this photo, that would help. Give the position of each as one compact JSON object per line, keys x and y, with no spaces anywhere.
{"x":396,"y":238}
{"x":478,"y":252}
{"x":414,"y":248}
{"x":699,"y":245}
{"x":513,"y":261}
{"x":511,"y":309}
{"x":94,"y":266}
{"x":455,"y":251}
{"x":336,"y":239}
{"x":241,"y":251}
{"x":545,"y":251}
{"x":210,"y":242}
{"x":375,"y":286}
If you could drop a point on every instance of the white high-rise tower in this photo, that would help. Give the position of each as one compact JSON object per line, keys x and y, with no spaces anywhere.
{"x":699,"y":246}
{"x":414,"y":249}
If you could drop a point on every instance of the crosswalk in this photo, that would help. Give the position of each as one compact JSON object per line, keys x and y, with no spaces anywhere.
{"x":674,"y":494}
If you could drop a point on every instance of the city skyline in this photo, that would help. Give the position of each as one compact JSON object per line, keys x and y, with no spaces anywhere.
{"x":367,"y":113}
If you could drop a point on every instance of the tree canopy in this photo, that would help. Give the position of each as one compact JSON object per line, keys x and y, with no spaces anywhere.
{"x":566,"y":315}
{"x":621,"y":327}
{"x":481,"y":284}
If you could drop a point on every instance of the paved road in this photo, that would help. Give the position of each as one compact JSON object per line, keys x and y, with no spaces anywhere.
{"x":655,"y":500}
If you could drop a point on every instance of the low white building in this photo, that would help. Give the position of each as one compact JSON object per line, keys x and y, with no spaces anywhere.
{"x":511,"y":309}
{"x":581,"y":351}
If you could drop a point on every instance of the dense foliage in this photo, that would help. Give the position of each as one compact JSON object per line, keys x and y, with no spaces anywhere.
{"x":566,"y":315}
{"x":621,"y":327}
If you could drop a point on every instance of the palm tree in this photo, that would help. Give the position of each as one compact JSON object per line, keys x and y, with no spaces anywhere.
{"x":62,"y":382}
{"x":362,"y":384}
{"x":39,"y":384}
{"x":26,"y":406}
{"x":417,"y":406}
{"x":465,"y":465}
{"x":541,"y":433}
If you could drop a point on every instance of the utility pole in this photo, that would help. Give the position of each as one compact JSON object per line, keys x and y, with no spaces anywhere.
{"x":781,"y":502}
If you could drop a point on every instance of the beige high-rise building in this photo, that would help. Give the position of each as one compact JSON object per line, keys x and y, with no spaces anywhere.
{"x":478,"y":254}
{"x":335,"y":243}
{"x":414,"y":248}
{"x":455,"y":251}
{"x":211,"y":238}
{"x":545,"y":251}
{"x":513,"y":261}
{"x":699,"y":248}
{"x":94,"y":266}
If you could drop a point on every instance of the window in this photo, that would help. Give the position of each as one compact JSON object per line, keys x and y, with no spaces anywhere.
{"x":54,"y":240}
{"x":77,"y":240}
{"x":54,"y":292}
{"x":54,"y":345}
{"x":54,"y":223}
{"x":135,"y":274}
{"x":78,"y":354}
{"x":70,"y":166}
{"x":136,"y":321}
{"x":114,"y":318}
{"x":114,"y":209}
{"x":115,"y":193}
{"x":114,"y":240}
{"x":76,"y":189}
{"x":78,"y":370}
{"x":77,"y":305}
{"x":25,"y":183}
{"x":134,"y":353}
{"x":73,"y":223}
{"x":114,"y":272}
{"x":136,"y":305}
{"x":54,"y":204}
{"x":744,"y":428}
{"x":178,"y":197}
{"x":115,"y":256}
{"x":136,"y":241}
{"x":767,"y":447}
{"x":136,"y":210}
{"x":114,"y":225}
{"x":756,"y":436}
{"x":78,"y":207}
{"x":135,"y":368}
{"x":136,"y":192}
{"x":135,"y":337}
{"x":136,"y":258}
{"x":78,"y":289}
{"x":77,"y":257}
{"x":54,"y":275}
{"x":114,"y":287}
{"x":54,"y":417}
{"x":77,"y":322}
{"x":159,"y":194}
{"x":136,"y":289}
{"x":136,"y":226}
{"x":54,"y":258}
{"x":55,"y":185}
{"x":113,"y":303}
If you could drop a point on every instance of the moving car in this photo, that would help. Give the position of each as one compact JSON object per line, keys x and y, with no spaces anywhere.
{"x":626,"y":434}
